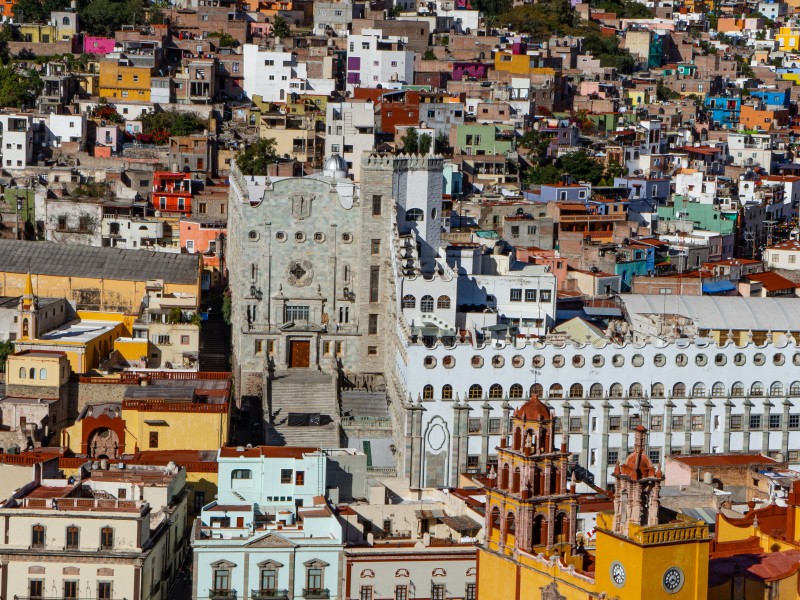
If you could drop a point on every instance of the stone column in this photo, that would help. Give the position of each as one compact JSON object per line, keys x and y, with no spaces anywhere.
{"x":606,"y":406}
{"x":746,"y":426}
{"x":785,"y":429}
{"x":646,"y":406}
{"x":458,"y":451}
{"x":585,"y":431}
{"x":707,"y":429}
{"x":726,"y":435}
{"x":765,"y":427}
{"x":565,"y":423}
{"x":624,"y":428}
{"x":551,"y":522}
{"x":484,"y":457}
{"x":410,"y":450}
{"x":668,"y":406}
{"x":687,"y":427}
{"x":504,"y":426}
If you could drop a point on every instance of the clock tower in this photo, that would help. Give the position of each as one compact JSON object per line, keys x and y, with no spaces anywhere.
{"x":642,"y":551}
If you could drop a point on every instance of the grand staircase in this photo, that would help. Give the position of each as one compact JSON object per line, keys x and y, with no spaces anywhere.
{"x":303,"y":409}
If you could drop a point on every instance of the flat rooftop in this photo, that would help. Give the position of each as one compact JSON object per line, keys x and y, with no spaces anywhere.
{"x":79,"y":332}
{"x":719,"y":460}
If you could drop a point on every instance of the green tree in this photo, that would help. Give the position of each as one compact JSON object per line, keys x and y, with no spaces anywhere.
{"x":104,"y":17}
{"x":155,"y":16}
{"x":161,"y":125}
{"x":175,"y":315}
{"x":6,"y":348}
{"x":256,"y":158}
{"x":280,"y":28}
{"x":441,"y":144}
{"x":37,"y":11}
{"x":581,"y":165}
{"x":540,"y":174}
{"x":664,"y":93}
{"x":226,"y":40}
{"x":429,"y":55}
{"x":492,"y":8}
{"x":410,"y":141}
{"x":19,"y":88}
{"x":425,"y":143}
{"x":226,"y":307}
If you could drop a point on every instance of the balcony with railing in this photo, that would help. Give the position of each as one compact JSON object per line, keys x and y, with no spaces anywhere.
{"x":269,"y":594}
{"x":316,"y":593}
{"x":217,"y":594}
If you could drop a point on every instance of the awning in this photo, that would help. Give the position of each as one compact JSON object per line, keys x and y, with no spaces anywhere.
{"x":435,"y":513}
{"x":602,"y":311}
{"x":156,"y":422}
{"x":460,"y":523}
{"x":718,"y":287}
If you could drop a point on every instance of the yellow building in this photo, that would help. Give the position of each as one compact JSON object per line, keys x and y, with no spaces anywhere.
{"x":37,"y":33}
{"x":788,"y":39}
{"x":530,"y":545}
{"x":519,"y":64}
{"x":99,"y":279}
{"x":124,"y":82}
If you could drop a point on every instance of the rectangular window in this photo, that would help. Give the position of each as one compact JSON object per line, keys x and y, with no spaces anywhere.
{"x":106,"y":538}
{"x":270,"y":347}
{"x":736,"y":422}
{"x":634,"y":421}
{"x":36,"y":588}
{"x":103,"y":590}
{"x":374,"y":283}
{"x":300,"y":478}
{"x":375,"y":247}
{"x":614,"y":423}
{"x":794,"y":421}
{"x":184,"y":340}
{"x":154,"y":439}
{"x":269,"y":580}
{"x":372,"y":350}
{"x":222,"y":580}
{"x":774,"y":421}
{"x":575,"y":424}
{"x":494,"y":425}
{"x":656,"y":422}
{"x":73,"y":538}
{"x":655,"y":455}
{"x":344,"y":314}
{"x":339,"y":346}
{"x":697,"y":422}
{"x":755,"y":421}
{"x":613,"y":457}
{"x":545,"y":295}
{"x":469,"y":593}
{"x":437,"y":591}
{"x":286,"y":475}
{"x":377,"y":202}
{"x":199,"y":501}
{"x":516,"y":295}
{"x":530,"y":295}
{"x":296,"y":313}
{"x":373,"y":325}
{"x":314,"y":579}
{"x":37,"y":536}
{"x":70,"y":590}
{"x":366,"y":592}
{"x":474,"y":425}
{"x":677,"y":423}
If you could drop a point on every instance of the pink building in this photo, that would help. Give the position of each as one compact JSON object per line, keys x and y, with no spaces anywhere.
{"x":552,"y":258}
{"x":98,"y":45}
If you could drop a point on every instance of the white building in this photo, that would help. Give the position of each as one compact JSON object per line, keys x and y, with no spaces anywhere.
{"x":274,"y":75}
{"x":270,"y":533}
{"x":16,"y":145}
{"x":55,"y":129}
{"x":350,"y":132}
{"x":374,"y":59}
{"x":783,"y":256}
{"x":752,"y":149}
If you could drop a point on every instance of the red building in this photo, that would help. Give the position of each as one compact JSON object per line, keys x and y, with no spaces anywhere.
{"x":206,"y":236}
{"x":395,"y":108}
{"x":172,"y":192}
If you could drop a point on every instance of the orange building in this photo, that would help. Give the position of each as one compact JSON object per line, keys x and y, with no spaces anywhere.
{"x":172,"y":192}
{"x":752,"y":118}
{"x":7,"y":7}
{"x":206,"y":236}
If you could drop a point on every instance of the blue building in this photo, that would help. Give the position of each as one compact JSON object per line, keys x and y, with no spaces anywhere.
{"x":724,"y":110}
{"x":773,"y":98}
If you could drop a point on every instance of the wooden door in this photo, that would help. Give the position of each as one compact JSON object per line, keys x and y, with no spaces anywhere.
{"x":299,"y":354}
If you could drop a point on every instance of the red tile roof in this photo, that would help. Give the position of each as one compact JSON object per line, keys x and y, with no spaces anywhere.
{"x":772,"y":281}
{"x":266,"y":451}
{"x":722,"y":459}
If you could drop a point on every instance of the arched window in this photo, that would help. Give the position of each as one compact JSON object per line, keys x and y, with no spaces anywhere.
{"x":737,"y":389}
{"x":615,"y":391}
{"x":576,"y":390}
{"x":699,"y":390}
{"x":679,"y":390}
{"x":447,"y":392}
{"x":42,"y":373}
{"x":65,"y":21}
{"x":537,"y":390}
{"x":32,"y":373}
{"x":556,"y":391}
{"x":794,"y":388}
{"x":409,"y":301}
{"x":427,"y":392}
{"x":757,"y":389}
{"x":515,"y":391}
{"x":636,"y":390}
{"x":241,"y":474}
{"x":475,"y":392}
{"x":718,"y":389}
{"x":776,"y":389}
{"x":426,"y":304}
{"x":596,"y":391}
{"x":22,"y":373}
{"x":415,"y":215}
{"x":443,"y":303}
{"x":496,"y":391}
{"x":25,"y":328}
{"x":657,"y":390}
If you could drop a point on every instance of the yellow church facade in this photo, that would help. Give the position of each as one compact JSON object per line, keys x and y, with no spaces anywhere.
{"x":530,"y":548}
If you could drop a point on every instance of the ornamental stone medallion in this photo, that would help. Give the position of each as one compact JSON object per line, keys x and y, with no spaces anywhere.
{"x":301,"y":205}
{"x":300,"y":273}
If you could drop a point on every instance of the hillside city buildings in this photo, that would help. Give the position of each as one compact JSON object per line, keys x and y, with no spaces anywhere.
{"x":435,"y":300}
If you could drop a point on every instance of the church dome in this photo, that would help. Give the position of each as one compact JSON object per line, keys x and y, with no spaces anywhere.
{"x":335,"y":166}
{"x":533,"y":410}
